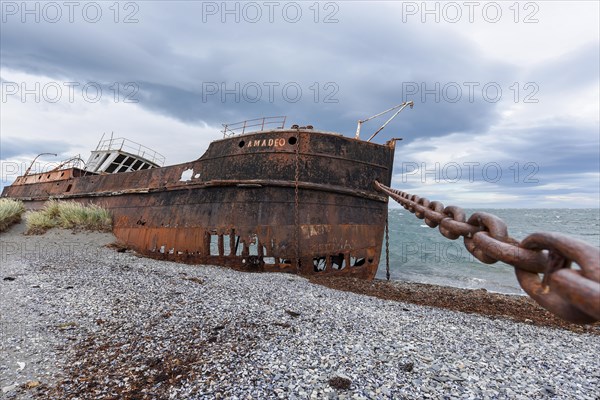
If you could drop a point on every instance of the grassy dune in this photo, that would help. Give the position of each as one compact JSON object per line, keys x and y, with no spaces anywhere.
{"x":69,"y":215}
{"x":10,"y":212}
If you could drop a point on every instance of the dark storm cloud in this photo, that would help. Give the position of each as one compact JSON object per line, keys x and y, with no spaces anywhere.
{"x":561,"y":160}
{"x":559,"y":149}
{"x":348,"y":70}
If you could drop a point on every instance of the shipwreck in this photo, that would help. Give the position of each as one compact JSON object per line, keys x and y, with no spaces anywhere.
{"x":262,"y":198}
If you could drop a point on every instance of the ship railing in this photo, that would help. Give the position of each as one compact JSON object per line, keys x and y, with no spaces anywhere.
{"x":73,"y":162}
{"x":253,"y":125}
{"x":132,"y":147}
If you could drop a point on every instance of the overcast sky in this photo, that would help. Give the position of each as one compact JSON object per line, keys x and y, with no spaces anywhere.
{"x":506,"y":94}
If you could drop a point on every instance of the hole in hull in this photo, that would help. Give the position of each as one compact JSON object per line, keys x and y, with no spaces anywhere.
{"x":338,"y":261}
{"x":319,"y":264}
{"x":239,"y":247}
{"x":254,"y":246}
{"x":226,"y":245}
{"x":214,"y":245}
{"x":357,"y":262}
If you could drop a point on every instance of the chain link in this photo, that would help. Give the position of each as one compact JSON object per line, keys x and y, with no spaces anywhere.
{"x":572,"y":294}
{"x":296,"y":208}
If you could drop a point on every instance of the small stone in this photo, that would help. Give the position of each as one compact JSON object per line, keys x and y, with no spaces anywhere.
{"x":340,"y":382}
{"x":385,"y":391}
{"x":549,"y":390}
{"x":10,"y":388}
{"x":67,"y":326}
{"x":455,"y":378}
{"x":293,"y":313}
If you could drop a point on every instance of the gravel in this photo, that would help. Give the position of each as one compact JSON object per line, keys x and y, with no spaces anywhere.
{"x":80,"y":320}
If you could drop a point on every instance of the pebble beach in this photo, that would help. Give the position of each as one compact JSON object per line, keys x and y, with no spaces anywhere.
{"x":80,"y":320}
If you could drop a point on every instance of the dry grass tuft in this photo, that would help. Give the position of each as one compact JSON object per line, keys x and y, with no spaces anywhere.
{"x":10,"y":213}
{"x":68,"y":215}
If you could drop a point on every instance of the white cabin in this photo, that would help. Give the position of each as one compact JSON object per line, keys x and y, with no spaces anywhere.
{"x":116,"y":155}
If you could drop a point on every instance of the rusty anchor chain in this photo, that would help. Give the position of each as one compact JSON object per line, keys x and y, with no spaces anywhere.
{"x":572,"y":294}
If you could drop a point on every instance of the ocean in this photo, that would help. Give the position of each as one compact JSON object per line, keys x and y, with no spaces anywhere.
{"x":421,"y":254}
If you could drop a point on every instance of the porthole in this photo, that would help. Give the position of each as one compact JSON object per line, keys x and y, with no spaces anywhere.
{"x":242,"y":143}
{"x":292,"y":140}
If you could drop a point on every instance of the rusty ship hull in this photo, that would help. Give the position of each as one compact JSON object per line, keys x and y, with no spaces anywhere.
{"x":293,"y":200}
